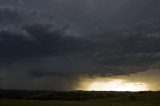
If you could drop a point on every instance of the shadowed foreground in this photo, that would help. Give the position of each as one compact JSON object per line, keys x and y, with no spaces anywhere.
{"x":101,"y":102}
{"x":79,"y":98}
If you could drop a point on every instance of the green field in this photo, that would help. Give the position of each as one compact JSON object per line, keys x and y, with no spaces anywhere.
{"x":98,"y":102}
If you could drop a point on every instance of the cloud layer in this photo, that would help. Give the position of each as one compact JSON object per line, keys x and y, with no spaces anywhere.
{"x":41,"y":43}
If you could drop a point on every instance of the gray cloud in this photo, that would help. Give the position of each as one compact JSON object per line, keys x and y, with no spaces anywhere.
{"x":62,"y":40}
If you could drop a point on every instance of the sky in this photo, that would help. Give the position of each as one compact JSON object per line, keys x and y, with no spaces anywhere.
{"x":62,"y":44}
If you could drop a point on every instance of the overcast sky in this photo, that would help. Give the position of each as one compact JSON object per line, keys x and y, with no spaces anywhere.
{"x":50,"y":44}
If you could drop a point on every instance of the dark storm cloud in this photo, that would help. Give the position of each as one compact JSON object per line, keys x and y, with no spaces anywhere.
{"x":39,"y":41}
{"x":21,"y":38}
{"x":42,"y":73}
{"x":64,"y":39}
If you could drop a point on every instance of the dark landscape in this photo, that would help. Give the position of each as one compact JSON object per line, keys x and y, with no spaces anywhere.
{"x":78,"y":98}
{"x":79,"y":52}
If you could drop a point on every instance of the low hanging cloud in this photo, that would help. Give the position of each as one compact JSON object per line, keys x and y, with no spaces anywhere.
{"x":39,"y":46}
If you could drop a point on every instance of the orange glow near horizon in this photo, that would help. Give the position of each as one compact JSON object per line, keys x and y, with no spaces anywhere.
{"x":114,"y":85}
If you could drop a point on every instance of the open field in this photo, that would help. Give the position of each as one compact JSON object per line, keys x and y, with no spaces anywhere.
{"x":103,"y":102}
{"x":80,"y":98}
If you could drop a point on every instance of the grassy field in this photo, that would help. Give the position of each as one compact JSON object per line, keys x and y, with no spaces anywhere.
{"x":78,"y":98}
{"x":97,"y":102}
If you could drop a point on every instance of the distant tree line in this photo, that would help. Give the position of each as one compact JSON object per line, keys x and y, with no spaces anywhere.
{"x":71,"y":95}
